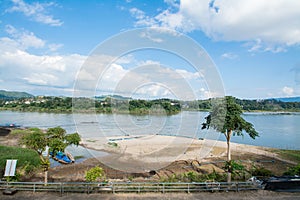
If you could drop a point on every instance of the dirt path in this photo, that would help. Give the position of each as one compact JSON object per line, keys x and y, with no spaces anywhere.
{"x":249,"y":195}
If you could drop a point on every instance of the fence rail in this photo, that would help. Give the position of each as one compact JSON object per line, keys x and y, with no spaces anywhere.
{"x":127,"y":187}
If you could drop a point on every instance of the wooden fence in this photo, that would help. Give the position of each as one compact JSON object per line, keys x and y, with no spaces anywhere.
{"x":127,"y":187}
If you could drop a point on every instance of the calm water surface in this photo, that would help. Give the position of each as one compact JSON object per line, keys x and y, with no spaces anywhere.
{"x":276,"y":130}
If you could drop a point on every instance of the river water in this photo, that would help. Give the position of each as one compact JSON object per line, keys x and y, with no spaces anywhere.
{"x":276,"y":130}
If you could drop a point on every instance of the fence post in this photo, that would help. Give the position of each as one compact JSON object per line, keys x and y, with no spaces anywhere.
{"x":163,"y":187}
{"x":237,"y":186}
{"x":113,"y":188}
{"x":61,"y":189}
{"x":34,"y":187}
{"x":188,"y":188}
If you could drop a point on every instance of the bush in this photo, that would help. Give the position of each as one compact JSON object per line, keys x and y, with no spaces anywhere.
{"x":195,"y":177}
{"x":95,"y":174}
{"x":292,"y":171}
{"x":261,"y":171}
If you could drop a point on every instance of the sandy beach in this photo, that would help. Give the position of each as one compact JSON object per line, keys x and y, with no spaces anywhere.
{"x":152,"y":152}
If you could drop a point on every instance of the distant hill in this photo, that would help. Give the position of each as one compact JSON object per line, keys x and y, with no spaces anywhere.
{"x":11,"y":95}
{"x":117,"y":97}
{"x":288,"y":99}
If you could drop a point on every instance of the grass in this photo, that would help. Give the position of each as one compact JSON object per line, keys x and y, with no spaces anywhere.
{"x":78,"y":157}
{"x":28,"y":160}
{"x":293,"y":155}
{"x":113,"y":144}
{"x":20,"y":131}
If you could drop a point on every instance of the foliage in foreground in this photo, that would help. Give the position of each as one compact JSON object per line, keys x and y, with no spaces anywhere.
{"x":95,"y":174}
{"x":28,"y":160}
{"x":239,"y":172}
{"x":195,"y":177}
{"x":292,"y":171}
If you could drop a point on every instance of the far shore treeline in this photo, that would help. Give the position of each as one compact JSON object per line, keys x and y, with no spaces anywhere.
{"x":119,"y":104}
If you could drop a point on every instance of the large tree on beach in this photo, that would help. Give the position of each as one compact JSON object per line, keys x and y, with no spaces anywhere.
{"x":55,"y":138}
{"x":225,"y":117}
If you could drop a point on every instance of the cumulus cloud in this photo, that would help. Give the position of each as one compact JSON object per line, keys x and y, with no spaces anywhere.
{"x":25,"y":39}
{"x":142,"y":79}
{"x":22,"y":69}
{"x":126,"y":75}
{"x":35,"y":11}
{"x":267,"y":25}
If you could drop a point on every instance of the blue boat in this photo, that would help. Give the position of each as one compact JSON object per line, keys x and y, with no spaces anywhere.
{"x":64,"y":158}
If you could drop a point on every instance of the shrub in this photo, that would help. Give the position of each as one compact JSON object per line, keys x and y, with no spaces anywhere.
{"x":95,"y":174}
{"x":292,"y":171}
{"x":261,"y":171}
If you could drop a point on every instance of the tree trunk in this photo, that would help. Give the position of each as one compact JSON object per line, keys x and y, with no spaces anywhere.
{"x":46,"y":177}
{"x":228,"y":151}
{"x":228,"y":154}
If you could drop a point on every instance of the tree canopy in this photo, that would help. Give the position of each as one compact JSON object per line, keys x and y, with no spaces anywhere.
{"x":55,"y":138}
{"x":225,"y":117}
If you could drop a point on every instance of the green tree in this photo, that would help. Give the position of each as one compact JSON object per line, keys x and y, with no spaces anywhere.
{"x":225,"y":117}
{"x":58,"y":140}
{"x":55,"y":138}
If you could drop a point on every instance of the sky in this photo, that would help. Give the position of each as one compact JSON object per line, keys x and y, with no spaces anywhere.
{"x":248,"y":49}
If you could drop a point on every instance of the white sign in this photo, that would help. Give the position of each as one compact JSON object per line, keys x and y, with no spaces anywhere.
{"x":10,"y":168}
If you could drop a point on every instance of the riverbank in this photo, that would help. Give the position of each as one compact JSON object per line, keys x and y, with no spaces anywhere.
{"x":155,"y":152}
{"x":156,"y":157}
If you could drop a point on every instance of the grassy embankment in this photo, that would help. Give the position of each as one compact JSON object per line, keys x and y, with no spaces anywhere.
{"x":28,"y":160}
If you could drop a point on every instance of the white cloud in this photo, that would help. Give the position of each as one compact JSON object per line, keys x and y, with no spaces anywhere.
{"x":25,"y":39}
{"x":288,"y":91}
{"x":22,"y":68}
{"x":41,"y":79}
{"x":55,"y":47}
{"x":270,"y":25}
{"x":229,"y":55}
{"x":57,"y":73}
{"x":189,"y":75}
{"x":36,"y":11}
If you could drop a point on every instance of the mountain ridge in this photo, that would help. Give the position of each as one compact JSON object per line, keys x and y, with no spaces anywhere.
{"x":12,"y":95}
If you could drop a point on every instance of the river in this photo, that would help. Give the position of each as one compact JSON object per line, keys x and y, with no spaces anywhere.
{"x":275,"y":130}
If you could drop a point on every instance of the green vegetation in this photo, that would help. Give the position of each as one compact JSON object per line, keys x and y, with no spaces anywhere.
{"x":293,"y":155}
{"x":113,"y":144}
{"x":20,"y":131}
{"x":271,"y":105}
{"x":55,"y":138}
{"x":28,"y":160}
{"x":293,"y":171}
{"x":86,"y":105}
{"x":195,"y":177}
{"x":10,"y":95}
{"x":260,"y":172}
{"x":239,"y":171}
{"x":119,"y":104}
{"x":95,"y":174}
{"x":225,"y":117}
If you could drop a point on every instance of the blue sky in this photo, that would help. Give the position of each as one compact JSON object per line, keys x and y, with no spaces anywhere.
{"x":253,"y":44}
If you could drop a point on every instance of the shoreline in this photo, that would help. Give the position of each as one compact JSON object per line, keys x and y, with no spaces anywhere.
{"x":152,"y":152}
